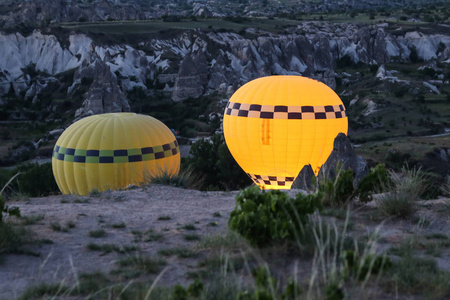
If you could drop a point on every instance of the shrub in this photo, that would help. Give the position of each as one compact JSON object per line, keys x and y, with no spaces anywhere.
{"x":36,"y":180}
{"x":344,"y":61}
{"x":265,"y":217}
{"x":373,"y":181}
{"x":413,"y":55}
{"x":12,"y":238}
{"x":212,"y":160}
{"x":338,"y":191}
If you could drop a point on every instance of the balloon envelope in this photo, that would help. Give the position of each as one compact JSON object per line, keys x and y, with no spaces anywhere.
{"x":275,"y":125}
{"x":112,"y":151}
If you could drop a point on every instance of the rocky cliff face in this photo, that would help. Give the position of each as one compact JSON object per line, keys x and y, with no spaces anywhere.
{"x":198,"y":62}
{"x":192,"y":77}
{"x":104,"y":95}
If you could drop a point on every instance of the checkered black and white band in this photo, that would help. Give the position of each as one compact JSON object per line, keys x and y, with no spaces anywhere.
{"x":285,"y":112}
{"x":271,"y":180}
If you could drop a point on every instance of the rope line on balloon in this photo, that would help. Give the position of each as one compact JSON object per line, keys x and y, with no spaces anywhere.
{"x":306,"y":112}
{"x":115,"y":156}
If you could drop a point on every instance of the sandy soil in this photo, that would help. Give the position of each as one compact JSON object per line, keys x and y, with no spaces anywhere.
{"x":138,"y":209}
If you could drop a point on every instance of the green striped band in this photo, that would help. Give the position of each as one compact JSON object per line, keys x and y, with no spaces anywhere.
{"x":115,"y":156}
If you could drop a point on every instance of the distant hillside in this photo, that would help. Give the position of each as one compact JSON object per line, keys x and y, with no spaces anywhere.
{"x":43,"y":12}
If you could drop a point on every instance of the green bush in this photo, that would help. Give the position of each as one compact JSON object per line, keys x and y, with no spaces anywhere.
{"x":372,"y":182}
{"x":212,"y":160}
{"x":265,"y":217}
{"x":344,"y":62}
{"x":338,"y":191}
{"x":413,"y":55}
{"x":36,"y":180}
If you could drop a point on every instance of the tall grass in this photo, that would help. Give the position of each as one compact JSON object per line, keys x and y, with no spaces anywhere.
{"x":186,"y":178}
{"x":7,"y":184}
{"x":445,"y":188}
{"x":341,"y":266}
{"x":11,"y":237}
{"x":402,"y":192}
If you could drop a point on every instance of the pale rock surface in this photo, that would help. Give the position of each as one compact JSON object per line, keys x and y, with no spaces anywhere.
{"x":104,"y":95}
{"x":192,"y":77}
{"x":432,"y":88}
{"x":227,"y":58}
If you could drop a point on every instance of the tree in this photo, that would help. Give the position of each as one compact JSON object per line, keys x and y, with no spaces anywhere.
{"x":413,"y":56}
{"x":212,"y":160}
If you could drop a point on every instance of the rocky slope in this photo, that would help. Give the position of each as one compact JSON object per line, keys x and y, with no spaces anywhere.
{"x":199,"y":62}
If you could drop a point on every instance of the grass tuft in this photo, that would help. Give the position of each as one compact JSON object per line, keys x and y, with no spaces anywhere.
{"x":187,"y":179}
{"x":445,"y":188}
{"x":191,"y":237}
{"x":97,"y":233}
{"x":108,"y":248}
{"x":402,"y":193}
{"x":151,"y":236}
{"x":43,"y":289}
{"x":81,"y":200}
{"x":12,"y":238}
{"x":33,"y":219}
{"x":189,"y":227}
{"x":119,"y":225}
{"x":230,"y":240}
{"x":181,"y":252}
{"x":143,"y":263}
{"x":164,"y":218}
{"x":70,"y":224}
{"x":417,"y":275}
{"x":55,"y":226}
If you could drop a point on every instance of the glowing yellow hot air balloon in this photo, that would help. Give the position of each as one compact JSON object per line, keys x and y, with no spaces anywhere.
{"x":275,"y":125}
{"x":112,"y":151}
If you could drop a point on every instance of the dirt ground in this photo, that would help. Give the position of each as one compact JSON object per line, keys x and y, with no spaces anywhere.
{"x":138,"y":209}
{"x":123,"y":215}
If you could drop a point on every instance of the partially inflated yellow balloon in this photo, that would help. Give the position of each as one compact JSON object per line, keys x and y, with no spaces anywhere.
{"x":112,"y":151}
{"x":276,"y":125}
